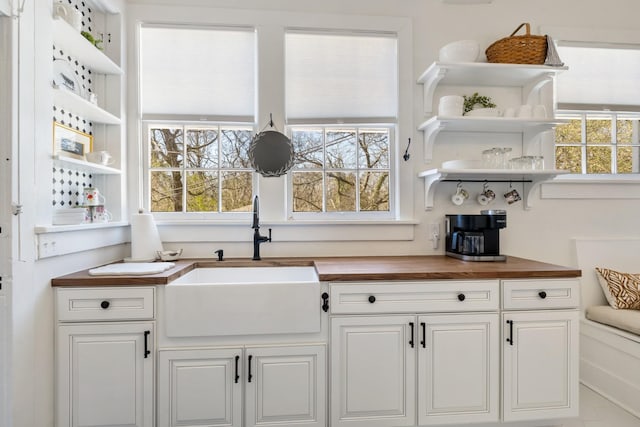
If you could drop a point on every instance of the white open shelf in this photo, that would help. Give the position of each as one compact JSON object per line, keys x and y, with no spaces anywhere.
{"x":68,"y":100}
{"x":74,"y":44}
{"x":531,"y":179}
{"x":85,"y":166}
{"x":434,"y":125}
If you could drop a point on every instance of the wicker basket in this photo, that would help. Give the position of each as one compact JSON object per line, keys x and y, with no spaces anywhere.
{"x":525,"y":49}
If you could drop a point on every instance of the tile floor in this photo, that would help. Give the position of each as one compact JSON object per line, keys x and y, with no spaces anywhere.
{"x":596,"y":411}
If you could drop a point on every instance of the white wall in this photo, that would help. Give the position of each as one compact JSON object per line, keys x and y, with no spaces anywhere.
{"x":541,"y":233}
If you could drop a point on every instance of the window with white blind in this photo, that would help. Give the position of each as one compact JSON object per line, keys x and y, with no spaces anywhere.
{"x":197,"y":99}
{"x":341,"y":100}
{"x":600,"y":97}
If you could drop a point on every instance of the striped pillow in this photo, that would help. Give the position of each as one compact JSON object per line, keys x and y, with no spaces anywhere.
{"x":621,"y":289}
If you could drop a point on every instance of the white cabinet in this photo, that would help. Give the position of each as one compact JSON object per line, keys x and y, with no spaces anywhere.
{"x":458,"y":366}
{"x":105,"y":374}
{"x":105,"y":370}
{"x":373,"y":366}
{"x":389,"y":369}
{"x":540,"y":349}
{"x":449,"y":362}
{"x":283,"y":385}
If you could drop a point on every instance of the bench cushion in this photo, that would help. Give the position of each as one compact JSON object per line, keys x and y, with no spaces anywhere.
{"x":627,"y":320}
{"x":621,"y":289}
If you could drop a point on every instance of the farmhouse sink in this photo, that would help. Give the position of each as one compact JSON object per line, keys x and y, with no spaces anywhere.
{"x":243,"y":301}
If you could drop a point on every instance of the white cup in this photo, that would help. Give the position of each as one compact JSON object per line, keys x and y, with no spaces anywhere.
{"x":460,"y":196}
{"x":451,"y":105}
{"x":525,"y":111}
{"x":540,"y":112}
{"x":100,"y":157}
{"x":70,"y":14}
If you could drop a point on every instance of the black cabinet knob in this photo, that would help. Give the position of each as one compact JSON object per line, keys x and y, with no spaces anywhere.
{"x":372,"y":299}
{"x":542,"y":294}
{"x":461,"y":297}
{"x":104,"y":304}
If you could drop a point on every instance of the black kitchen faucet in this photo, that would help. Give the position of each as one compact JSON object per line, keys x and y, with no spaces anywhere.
{"x":257,"y":237}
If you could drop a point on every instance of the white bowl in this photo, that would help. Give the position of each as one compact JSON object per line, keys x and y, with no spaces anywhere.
{"x":484,"y":112}
{"x":460,"y":51}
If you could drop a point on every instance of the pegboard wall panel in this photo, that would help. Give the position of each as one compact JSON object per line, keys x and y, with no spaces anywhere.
{"x":68,"y":183}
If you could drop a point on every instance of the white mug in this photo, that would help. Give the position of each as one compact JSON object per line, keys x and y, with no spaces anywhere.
{"x":69,"y":14}
{"x":100,"y":157}
{"x":460,"y":196}
{"x":92,"y":197}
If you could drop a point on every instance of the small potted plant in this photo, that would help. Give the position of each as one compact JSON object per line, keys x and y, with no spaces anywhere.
{"x":483,"y":105}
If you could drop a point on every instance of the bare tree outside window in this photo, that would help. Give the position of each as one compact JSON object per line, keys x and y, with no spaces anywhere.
{"x":341,"y":169}
{"x":200,"y":169}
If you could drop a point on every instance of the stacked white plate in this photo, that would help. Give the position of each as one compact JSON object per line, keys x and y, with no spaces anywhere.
{"x":68,"y":216}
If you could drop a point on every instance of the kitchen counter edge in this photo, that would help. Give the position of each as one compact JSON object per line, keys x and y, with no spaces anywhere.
{"x":346,"y":269}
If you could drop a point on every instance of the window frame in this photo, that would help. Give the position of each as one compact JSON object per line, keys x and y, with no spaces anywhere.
{"x":613,"y":116}
{"x":270,"y":27}
{"x":346,"y":215}
{"x":147,"y":170}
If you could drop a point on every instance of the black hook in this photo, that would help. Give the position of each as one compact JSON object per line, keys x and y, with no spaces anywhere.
{"x":271,"y":119}
{"x":406,"y":155}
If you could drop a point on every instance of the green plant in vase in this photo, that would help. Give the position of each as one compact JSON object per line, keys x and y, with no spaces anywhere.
{"x":477,"y":101}
{"x":96,"y":42}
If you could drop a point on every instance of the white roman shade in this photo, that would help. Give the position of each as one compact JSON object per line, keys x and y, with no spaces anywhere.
{"x":599,"y":78}
{"x":196,"y":71}
{"x":341,"y":77}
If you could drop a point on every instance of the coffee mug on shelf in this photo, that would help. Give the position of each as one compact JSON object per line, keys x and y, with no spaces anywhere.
{"x":101,"y":214}
{"x":460,"y":195}
{"x":92,"y":197}
{"x":486,"y":196}
{"x":512,"y":196}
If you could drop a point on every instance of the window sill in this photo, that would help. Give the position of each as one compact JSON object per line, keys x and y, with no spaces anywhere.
{"x":592,"y":187}
{"x":288,"y":231}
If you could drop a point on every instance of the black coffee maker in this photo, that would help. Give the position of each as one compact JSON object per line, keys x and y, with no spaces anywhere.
{"x":475,"y":237}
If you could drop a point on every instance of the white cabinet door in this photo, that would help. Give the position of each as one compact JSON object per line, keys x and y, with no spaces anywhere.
{"x":105,"y":375}
{"x":540,"y":365}
{"x":373,"y":366}
{"x":200,"y":387}
{"x":458,"y":368}
{"x":286,"y":385}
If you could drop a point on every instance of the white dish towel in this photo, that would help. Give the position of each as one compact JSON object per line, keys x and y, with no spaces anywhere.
{"x":131,"y":269}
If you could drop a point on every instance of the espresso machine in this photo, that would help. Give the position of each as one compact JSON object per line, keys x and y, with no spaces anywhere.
{"x":475,"y":237}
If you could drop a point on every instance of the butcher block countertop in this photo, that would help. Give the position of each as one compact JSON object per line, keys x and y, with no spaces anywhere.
{"x":348,"y":269}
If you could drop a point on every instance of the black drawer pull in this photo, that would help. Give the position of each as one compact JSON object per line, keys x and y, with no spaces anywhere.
{"x":237,"y":376}
{"x":104,"y":304}
{"x":249,"y":375}
{"x":372,"y":299}
{"x":411,"y":339}
{"x":510,"y":339}
{"x":424,"y":335}
{"x":542,"y":294}
{"x":147,"y":352}
{"x":461,"y":297}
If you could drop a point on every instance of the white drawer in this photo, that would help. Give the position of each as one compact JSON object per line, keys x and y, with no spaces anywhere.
{"x":540,"y":294}
{"x":91,"y":304}
{"x":414,"y":297}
